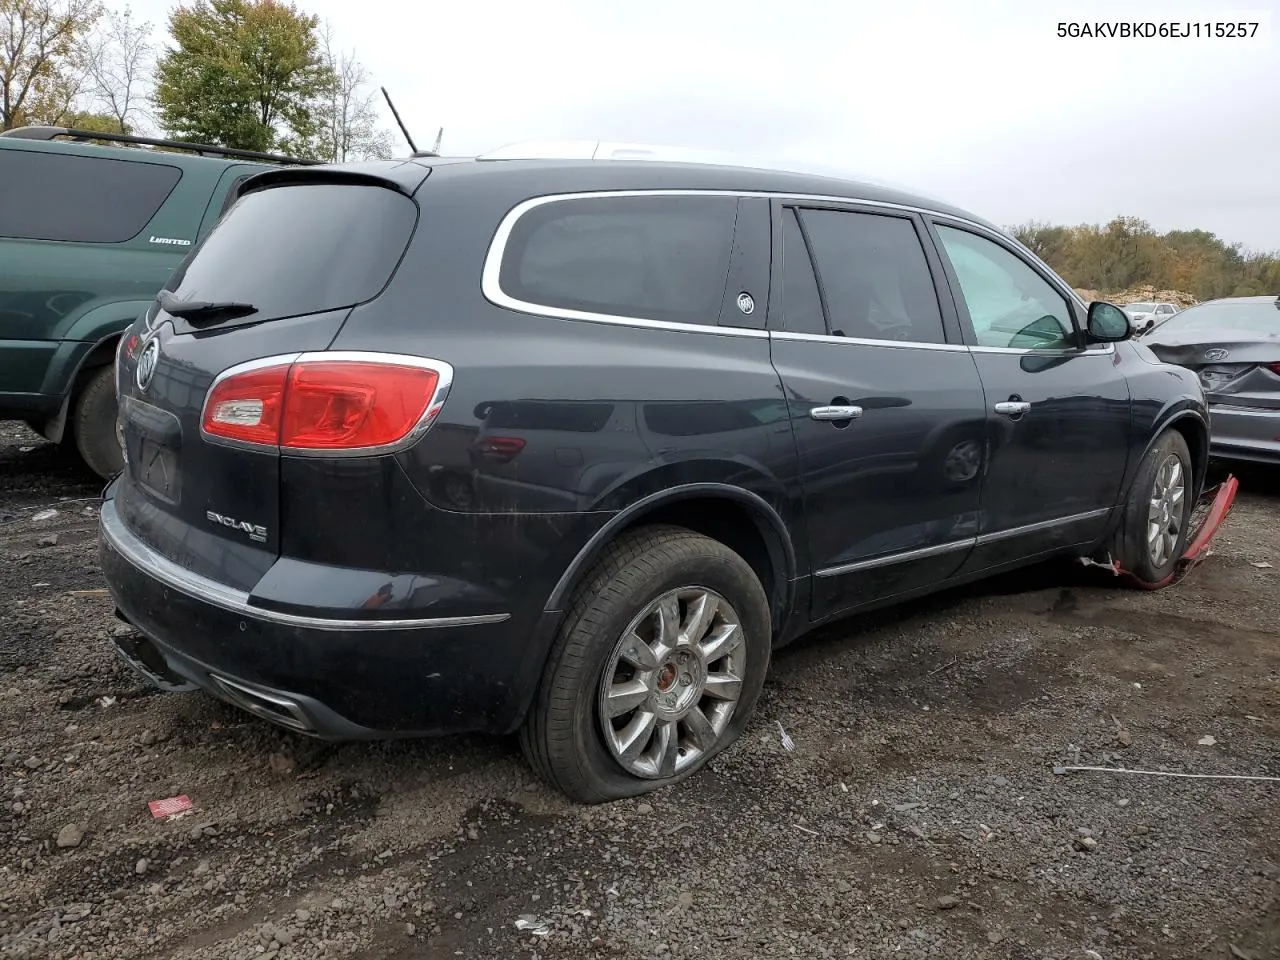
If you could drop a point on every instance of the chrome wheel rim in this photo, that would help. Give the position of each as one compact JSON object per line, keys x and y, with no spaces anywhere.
{"x":672,"y":682}
{"x":1164,"y":513}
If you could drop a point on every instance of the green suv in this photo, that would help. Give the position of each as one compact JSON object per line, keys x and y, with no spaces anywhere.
{"x":89,"y":233}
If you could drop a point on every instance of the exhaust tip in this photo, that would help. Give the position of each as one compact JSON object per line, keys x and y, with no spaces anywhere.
{"x":271,"y":707}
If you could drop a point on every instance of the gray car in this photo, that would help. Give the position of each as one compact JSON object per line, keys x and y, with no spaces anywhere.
{"x":1233,"y":345}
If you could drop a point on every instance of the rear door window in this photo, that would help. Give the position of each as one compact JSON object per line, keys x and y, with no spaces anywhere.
{"x":801,"y":304}
{"x":75,"y":199}
{"x":874,"y":277}
{"x":299,"y":249}
{"x":646,"y":257}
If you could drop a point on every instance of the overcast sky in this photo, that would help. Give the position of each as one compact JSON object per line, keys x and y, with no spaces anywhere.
{"x":977,"y":101}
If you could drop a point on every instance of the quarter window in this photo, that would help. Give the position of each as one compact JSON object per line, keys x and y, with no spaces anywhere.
{"x":1010,"y":305}
{"x":657,"y":257}
{"x":54,"y":196}
{"x":874,"y":277}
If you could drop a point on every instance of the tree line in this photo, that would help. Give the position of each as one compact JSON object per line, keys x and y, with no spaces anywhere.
{"x":250,"y":74}
{"x":1128,"y":253}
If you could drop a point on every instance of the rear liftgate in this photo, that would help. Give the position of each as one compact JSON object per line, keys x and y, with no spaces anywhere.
{"x":1207,"y":517}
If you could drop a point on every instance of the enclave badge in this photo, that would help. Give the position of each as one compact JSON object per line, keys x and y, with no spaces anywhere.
{"x":147,"y":364}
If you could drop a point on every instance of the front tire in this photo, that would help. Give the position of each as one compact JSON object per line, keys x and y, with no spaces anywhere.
{"x":656,"y":670}
{"x":93,"y":424}
{"x":1156,"y":521}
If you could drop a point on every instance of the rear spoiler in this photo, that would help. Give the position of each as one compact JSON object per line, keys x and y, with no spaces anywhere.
{"x":402,"y":177}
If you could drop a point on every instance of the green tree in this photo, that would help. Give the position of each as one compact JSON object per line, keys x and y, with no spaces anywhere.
{"x":1126,"y":253}
{"x":1044,"y":240}
{"x":41,"y":73}
{"x":243,"y":73}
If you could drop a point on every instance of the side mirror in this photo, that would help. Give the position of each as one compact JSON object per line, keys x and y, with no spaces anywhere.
{"x":1107,"y":323}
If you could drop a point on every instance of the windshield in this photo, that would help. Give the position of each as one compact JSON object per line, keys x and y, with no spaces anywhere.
{"x":300,"y":249}
{"x":1251,"y":317}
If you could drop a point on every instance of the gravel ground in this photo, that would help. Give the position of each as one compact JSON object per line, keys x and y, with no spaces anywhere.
{"x":918,"y":815}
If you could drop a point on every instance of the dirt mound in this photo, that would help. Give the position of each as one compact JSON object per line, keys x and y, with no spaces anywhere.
{"x":1146,"y":293}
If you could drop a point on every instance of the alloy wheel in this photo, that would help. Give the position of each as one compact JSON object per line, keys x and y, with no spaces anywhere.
{"x":672,"y":683}
{"x":1165,"y":512}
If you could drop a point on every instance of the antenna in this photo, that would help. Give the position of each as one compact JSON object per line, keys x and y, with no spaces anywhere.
{"x":439,"y":137}
{"x":403,"y":129}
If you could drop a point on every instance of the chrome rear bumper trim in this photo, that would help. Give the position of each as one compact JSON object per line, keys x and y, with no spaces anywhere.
{"x":118,"y":537}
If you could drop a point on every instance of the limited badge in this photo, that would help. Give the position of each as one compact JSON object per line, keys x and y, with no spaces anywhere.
{"x":746,"y":304}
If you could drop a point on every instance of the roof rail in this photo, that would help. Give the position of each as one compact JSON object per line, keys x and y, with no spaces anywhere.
{"x":571,"y":149}
{"x":204,"y":149}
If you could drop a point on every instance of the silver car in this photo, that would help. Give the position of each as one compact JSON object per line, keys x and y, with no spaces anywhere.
{"x":1233,"y":345}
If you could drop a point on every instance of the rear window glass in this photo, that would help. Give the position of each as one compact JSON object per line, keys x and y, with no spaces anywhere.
{"x":53,"y":196}
{"x":300,"y":249}
{"x":660,"y":258}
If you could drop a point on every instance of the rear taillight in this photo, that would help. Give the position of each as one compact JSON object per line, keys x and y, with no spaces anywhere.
{"x":327,"y":402}
{"x":1274,"y":368}
{"x":246,"y":406}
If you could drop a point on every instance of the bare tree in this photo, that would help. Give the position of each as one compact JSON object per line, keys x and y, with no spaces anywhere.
{"x":347,"y":117}
{"x":40,"y":73}
{"x":119,"y":59}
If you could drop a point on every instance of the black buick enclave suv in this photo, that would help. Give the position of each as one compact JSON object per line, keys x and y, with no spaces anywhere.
{"x":569,"y":447}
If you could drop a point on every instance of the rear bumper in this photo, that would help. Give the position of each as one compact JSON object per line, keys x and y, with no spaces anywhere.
{"x":333,"y":679}
{"x":1244,"y":433}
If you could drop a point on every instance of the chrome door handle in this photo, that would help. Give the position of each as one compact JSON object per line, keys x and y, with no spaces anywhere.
{"x":1013,"y":408}
{"x":835,"y":413}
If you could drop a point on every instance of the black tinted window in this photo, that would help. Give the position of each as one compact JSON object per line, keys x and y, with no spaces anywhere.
{"x":874,"y":276}
{"x":801,"y":305}
{"x":300,"y":249}
{"x":660,"y":258}
{"x":53,"y":196}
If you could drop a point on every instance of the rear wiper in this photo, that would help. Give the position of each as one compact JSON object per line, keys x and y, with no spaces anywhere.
{"x":209,"y":310}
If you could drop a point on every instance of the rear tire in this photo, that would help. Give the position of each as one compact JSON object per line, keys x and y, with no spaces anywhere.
{"x":93,"y":424}
{"x":698,"y":690}
{"x":1155,"y":523}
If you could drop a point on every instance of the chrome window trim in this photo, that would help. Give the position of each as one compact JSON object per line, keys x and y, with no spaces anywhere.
{"x":491,"y":286}
{"x":490,"y":278}
{"x":1099,"y":351}
{"x":865,"y":342}
{"x":132,"y":549}
{"x":953,"y":545}
{"x":1103,"y":350}
{"x":442,"y":369}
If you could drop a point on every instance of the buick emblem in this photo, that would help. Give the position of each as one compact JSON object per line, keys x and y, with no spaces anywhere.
{"x":745,"y":303}
{"x":147,"y":364}
{"x":1215,"y":354}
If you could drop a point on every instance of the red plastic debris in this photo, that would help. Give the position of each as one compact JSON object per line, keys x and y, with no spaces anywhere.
{"x":1222,"y":498}
{"x":161,"y":809}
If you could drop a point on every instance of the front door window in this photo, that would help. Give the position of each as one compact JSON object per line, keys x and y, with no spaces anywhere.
{"x":1010,"y":305}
